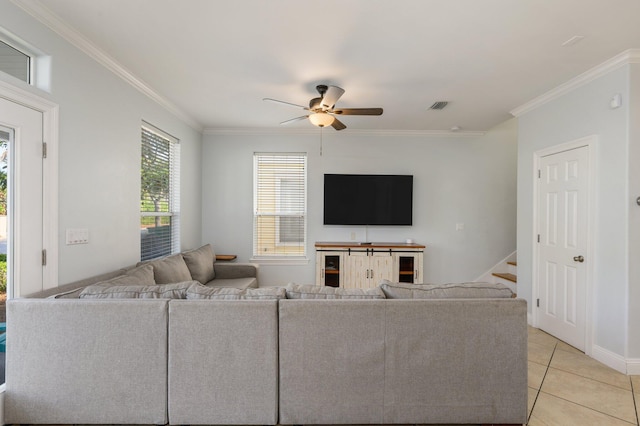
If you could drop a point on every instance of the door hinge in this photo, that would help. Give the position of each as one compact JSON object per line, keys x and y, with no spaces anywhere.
{"x":539,"y":174}
{"x":44,"y":258}
{"x":538,"y":237}
{"x":537,"y":303}
{"x":44,"y":150}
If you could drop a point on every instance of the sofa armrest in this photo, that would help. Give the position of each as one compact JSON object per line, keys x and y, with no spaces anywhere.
{"x":236,"y":270}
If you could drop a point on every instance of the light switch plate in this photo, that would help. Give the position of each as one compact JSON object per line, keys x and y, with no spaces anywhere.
{"x":77,"y":236}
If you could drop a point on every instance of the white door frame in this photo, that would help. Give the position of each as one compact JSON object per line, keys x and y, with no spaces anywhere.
{"x":591,"y":142}
{"x":50,"y":116}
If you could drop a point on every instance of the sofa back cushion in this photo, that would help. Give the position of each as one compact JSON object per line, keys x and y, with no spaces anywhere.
{"x":170,"y":269}
{"x":200,"y":263}
{"x":141,"y":275}
{"x":472,"y":290}
{"x":161,"y":291}
{"x":310,"y":291}
{"x":199,"y":291}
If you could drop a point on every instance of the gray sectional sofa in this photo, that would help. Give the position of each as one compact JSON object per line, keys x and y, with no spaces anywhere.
{"x":203,"y":354}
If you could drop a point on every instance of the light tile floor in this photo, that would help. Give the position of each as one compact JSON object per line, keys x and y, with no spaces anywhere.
{"x":567,"y":388}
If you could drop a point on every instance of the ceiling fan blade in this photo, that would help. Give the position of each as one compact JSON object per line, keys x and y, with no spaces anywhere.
{"x":283,"y":102}
{"x":338,"y":125}
{"x":331,"y":96}
{"x":293,"y":120}
{"x":358,"y":111}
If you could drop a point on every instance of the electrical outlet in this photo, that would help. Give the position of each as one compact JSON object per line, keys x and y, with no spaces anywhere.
{"x":353,"y":236}
{"x":459,"y":226}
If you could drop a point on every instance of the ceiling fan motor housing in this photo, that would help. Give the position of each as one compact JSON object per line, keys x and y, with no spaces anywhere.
{"x":322,"y":89}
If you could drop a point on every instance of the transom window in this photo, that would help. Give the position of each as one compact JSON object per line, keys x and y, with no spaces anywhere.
{"x":279,"y":205}
{"x":159,"y":194}
{"x":15,"y":62}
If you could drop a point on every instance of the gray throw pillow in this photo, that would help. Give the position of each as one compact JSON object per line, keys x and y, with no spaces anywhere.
{"x":163,"y":291}
{"x":199,"y":291}
{"x":472,"y":290}
{"x":310,"y":291}
{"x":171,"y":269}
{"x":200,"y":263}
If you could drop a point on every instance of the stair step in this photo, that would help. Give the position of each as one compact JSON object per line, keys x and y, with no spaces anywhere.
{"x":506,"y":276}
{"x":512,"y":263}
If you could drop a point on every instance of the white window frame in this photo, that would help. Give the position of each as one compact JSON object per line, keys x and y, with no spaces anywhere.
{"x":174,"y":188}
{"x":39,"y":62}
{"x":286,"y":251}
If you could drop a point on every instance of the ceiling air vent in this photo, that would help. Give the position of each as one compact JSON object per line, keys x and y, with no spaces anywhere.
{"x":439,"y":105}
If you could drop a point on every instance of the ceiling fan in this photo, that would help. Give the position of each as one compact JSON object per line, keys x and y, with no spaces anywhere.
{"x":322,"y":110}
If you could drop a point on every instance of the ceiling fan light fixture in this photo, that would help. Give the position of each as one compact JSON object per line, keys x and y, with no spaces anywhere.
{"x":321,"y":119}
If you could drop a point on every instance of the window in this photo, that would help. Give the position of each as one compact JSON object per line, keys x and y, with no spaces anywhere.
{"x":14,"y":62}
{"x":279,"y":205}
{"x":159,"y":194}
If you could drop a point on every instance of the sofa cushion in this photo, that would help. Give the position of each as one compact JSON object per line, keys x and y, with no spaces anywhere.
{"x":170,"y":269}
{"x":310,"y":291}
{"x":199,"y":291}
{"x":200,"y":263}
{"x":472,"y":290}
{"x":241,"y":283}
{"x":141,"y":275}
{"x":162,"y":291}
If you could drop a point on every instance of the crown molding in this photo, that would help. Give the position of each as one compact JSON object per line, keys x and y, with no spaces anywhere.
{"x":314,"y":131}
{"x":631,"y":56}
{"x":38,"y":11}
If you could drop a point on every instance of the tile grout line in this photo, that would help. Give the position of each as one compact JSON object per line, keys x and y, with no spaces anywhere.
{"x":635,"y":403}
{"x":573,"y":402}
{"x":533,"y":407}
{"x":591,"y":378}
{"x":578,"y":404}
{"x":586,"y":407}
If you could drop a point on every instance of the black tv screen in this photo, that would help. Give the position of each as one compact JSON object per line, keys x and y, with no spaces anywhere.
{"x":368,"y":199}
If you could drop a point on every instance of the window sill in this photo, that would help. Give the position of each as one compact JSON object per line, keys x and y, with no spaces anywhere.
{"x":280,"y":260}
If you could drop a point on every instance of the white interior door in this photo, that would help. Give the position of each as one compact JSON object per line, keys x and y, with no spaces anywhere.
{"x":25,"y":234}
{"x":563,"y":188}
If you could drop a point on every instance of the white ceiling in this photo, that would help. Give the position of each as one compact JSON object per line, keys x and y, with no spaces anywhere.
{"x":216,"y":60}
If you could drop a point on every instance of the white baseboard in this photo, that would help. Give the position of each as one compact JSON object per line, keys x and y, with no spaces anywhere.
{"x":610,"y":359}
{"x":633,"y":368}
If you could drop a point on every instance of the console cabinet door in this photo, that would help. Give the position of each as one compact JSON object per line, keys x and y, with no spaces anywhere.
{"x":407,"y":268}
{"x":381,"y":268}
{"x":365,"y":269}
{"x":330,"y":268}
{"x":357,"y":267}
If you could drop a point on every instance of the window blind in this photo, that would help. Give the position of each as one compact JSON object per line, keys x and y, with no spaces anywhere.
{"x":280,"y":205}
{"x":159,"y":194}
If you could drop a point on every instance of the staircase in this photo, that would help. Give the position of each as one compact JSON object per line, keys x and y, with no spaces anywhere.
{"x":508,"y":278}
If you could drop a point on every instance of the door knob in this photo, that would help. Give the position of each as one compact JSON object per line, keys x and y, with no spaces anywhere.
{"x":578,"y":259}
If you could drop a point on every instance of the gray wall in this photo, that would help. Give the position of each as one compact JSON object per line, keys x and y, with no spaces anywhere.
{"x":99,"y":150}
{"x":470,"y":180}
{"x":583,"y":112}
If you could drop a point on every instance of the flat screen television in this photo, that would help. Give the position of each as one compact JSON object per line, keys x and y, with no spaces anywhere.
{"x":351,"y":199}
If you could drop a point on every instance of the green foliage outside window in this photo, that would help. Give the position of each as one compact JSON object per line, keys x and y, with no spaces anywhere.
{"x":3,"y":273}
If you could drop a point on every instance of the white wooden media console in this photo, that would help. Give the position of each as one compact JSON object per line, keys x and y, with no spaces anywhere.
{"x":364,"y":265}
